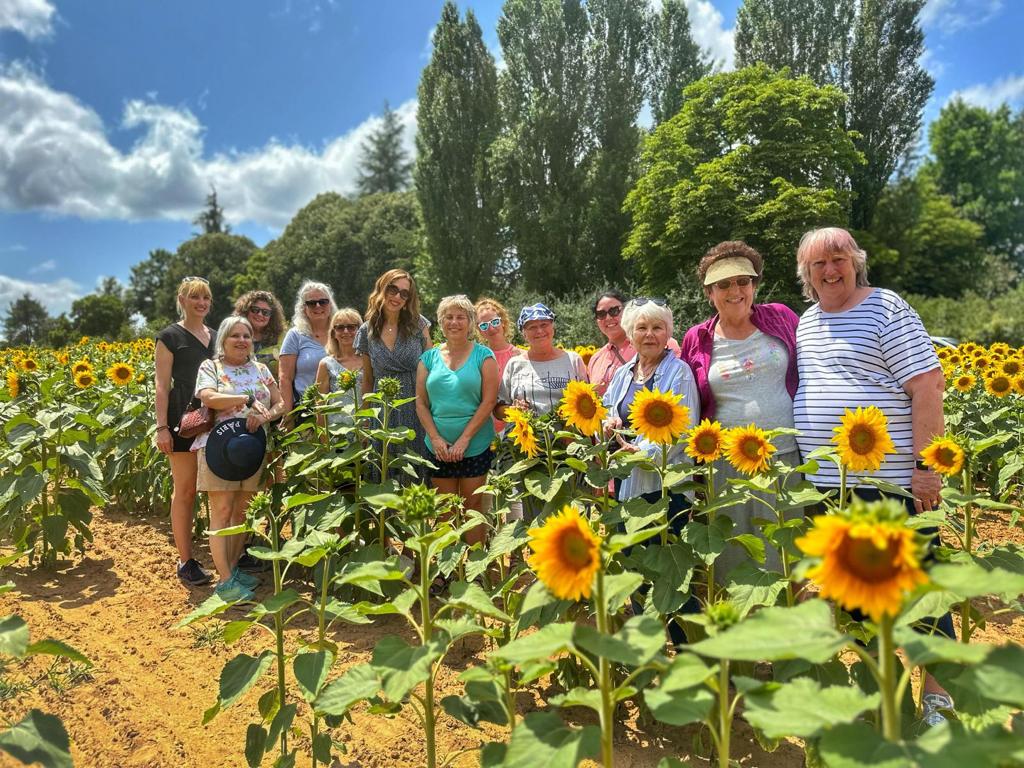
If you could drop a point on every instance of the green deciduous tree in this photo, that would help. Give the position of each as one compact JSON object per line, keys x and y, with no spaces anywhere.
{"x":979,"y":161}
{"x":144,"y":283}
{"x":544,"y":152}
{"x":457,"y":121}
{"x":385,"y":165}
{"x":754,"y":155}
{"x":26,"y":322}
{"x":219,"y":258}
{"x":102,"y":314}
{"x":676,"y":60}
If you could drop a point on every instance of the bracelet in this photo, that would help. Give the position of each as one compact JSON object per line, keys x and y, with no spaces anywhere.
{"x":162,"y":426}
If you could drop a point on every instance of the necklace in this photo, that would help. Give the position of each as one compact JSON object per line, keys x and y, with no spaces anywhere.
{"x":641,"y":377}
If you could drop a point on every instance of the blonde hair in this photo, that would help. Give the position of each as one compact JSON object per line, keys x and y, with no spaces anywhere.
{"x":500,"y":311}
{"x":299,"y":320}
{"x":345,"y":314}
{"x":829,"y":240}
{"x":190,"y":287}
{"x":460,"y":302}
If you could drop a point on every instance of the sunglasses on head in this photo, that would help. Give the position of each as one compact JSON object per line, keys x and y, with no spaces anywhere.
{"x":317,"y":302}
{"x":394,"y":290}
{"x":191,"y":278}
{"x":615,"y":311}
{"x":346,"y":327}
{"x":658,"y":302}
{"x":494,"y":322}
{"x":260,"y":311}
{"x":742,"y":282}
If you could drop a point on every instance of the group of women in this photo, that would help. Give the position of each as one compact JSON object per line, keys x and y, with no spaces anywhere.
{"x":747,"y":363}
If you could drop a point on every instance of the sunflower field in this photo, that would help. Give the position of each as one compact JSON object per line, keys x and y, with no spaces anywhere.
{"x":596,"y":619}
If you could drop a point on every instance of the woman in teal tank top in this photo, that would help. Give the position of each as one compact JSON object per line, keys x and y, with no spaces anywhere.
{"x":456,"y":390}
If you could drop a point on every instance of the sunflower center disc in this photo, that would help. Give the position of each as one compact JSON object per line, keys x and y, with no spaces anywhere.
{"x":751,"y":448}
{"x":706,"y":443}
{"x":946,"y":457}
{"x":658,"y":415}
{"x":586,"y":407}
{"x":575,"y":550}
{"x":865,"y":561}
{"x":862,"y":440}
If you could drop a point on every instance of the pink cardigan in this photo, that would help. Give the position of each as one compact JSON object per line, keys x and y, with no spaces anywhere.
{"x":776,"y":320}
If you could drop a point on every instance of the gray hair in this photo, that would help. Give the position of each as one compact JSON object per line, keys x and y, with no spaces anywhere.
{"x":299,"y":320}
{"x":226,"y":326}
{"x":829,"y":240}
{"x":647,"y":310}
{"x":460,"y":302}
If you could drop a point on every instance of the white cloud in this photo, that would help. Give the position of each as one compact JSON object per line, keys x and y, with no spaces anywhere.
{"x":706,"y":21}
{"x":55,"y":156}
{"x":932,"y":63}
{"x":32,"y":18}
{"x":1009,"y":89}
{"x":56,"y":296}
{"x":47,"y":266}
{"x":950,"y":16}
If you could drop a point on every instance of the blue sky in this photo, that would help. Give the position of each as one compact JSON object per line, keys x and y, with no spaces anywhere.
{"x":115,"y":117}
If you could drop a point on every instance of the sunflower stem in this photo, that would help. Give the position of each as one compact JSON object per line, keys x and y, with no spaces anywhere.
{"x":664,"y":491}
{"x":842,"y":486}
{"x":427,"y":630}
{"x":965,"y":607}
{"x":887,"y":680}
{"x":604,"y":677}
{"x":724,"y":715}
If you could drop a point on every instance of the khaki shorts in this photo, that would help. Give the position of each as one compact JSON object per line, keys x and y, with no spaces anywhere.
{"x":207,"y":481}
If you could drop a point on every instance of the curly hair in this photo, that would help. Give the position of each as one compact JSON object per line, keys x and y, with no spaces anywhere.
{"x":408,"y":316}
{"x":275,"y":326}
{"x":730,"y":249}
{"x":499,"y":309}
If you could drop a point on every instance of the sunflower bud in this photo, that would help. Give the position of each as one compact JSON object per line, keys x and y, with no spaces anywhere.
{"x":259,"y":503}
{"x":419,"y":502}
{"x":389,"y":388}
{"x":346,"y":380}
{"x":723,"y":614}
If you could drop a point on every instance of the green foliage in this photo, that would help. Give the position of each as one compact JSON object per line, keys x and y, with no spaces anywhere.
{"x":211,"y":219}
{"x":974,"y":317}
{"x":457,"y":121}
{"x":385,"y":166}
{"x":676,"y":60}
{"x":753,"y":155}
{"x":26,"y":322}
{"x":146,"y":279}
{"x":103,"y":315}
{"x":979,"y":161}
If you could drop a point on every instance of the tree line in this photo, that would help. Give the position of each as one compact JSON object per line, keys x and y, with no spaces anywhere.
{"x":542,"y":175}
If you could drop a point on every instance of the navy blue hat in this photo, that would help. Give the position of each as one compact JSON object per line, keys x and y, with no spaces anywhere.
{"x":234,"y":453}
{"x":536,"y":311}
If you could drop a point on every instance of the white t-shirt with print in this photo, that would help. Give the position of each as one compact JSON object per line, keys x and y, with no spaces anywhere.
{"x":540,"y":383}
{"x":252,"y":378}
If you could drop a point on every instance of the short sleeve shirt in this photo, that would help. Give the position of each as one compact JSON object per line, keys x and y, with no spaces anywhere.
{"x":857,"y":358}
{"x":540,"y":383}
{"x":456,"y":395}
{"x":308,"y":354}
{"x":250,"y":379}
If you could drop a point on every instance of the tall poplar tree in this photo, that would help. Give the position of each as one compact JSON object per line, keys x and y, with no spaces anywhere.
{"x":385,"y":165}
{"x":457,"y":121}
{"x":676,"y":60}
{"x":544,"y":152}
{"x":619,"y":63}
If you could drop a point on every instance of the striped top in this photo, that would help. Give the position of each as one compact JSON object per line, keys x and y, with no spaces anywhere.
{"x":863,"y":356}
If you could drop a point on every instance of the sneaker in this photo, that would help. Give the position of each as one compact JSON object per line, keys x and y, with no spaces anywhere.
{"x":193,"y":574}
{"x":249,"y":563}
{"x":245,"y":579}
{"x":233,"y":591}
{"x":932,"y":705}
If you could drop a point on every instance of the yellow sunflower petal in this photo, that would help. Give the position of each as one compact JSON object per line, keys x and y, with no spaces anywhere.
{"x":748,"y":449}
{"x":705,"y":442}
{"x":944,"y":456}
{"x":566,"y":554}
{"x":863,"y":439}
{"x":581,"y":408}
{"x":659,"y":416}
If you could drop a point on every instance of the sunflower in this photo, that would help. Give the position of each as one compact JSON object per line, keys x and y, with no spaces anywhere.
{"x":85,"y":379}
{"x":748,"y":449}
{"x":705,"y":441}
{"x":586,"y":353}
{"x":868,"y":557}
{"x":522,"y":431}
{"x":998,"y":384}
{"x":981,"y":362}
{"x":120,"y":373}
{"x":658,"y":416}
{"x":62,"y":358}
{"x":81,"y":366}
{"x":955,"y":360}
{"x":566,"y":554}
{"x":83,"y":341}
{"x":964,"y":382}
{"x":1011,"y":366}
{"x":943,"y":352}
{"x":862,"y":439}
{"x":999,"y":348}
{"x":1018,"y":384}
{"x":581,"y":408}
{"x":13,"y":384}
{"x":944,"y":456}
{"x":29,"y":365}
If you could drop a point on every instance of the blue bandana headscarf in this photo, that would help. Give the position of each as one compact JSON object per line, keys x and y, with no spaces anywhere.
{"x":536,"y":311}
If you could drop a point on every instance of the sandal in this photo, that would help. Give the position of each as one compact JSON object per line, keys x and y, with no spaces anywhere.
{"x":440,"y":585}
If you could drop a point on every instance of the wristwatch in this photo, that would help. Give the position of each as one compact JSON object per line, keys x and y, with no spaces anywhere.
{"x":921,"y":465}
{"x":250,"y":400}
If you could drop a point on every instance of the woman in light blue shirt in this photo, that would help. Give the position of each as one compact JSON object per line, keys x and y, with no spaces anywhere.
{"x":304,"y":345}
{"x":456,"y":390}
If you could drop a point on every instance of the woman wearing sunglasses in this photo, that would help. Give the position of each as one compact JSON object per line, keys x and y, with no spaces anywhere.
{"x":494,"y":329}
{"x":266,"y":316}
{"x":609,"y":358}
{"x":341,"y":356}
{"x":304,"y":345}
{"x":391,"y":341}
{"x":744,"y":361}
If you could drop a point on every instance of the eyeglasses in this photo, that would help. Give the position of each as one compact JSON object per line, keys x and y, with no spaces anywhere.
{"x":615,"y":311}
{"x":494,"y":322}
{"x":317,"y":302}
{"x":742,"y":282}
{"x":641,"y":300}
{"x":192,"y":278}
{"x":260,"y":311}
{"x":394,"y":290}
{"x":346,"y":328}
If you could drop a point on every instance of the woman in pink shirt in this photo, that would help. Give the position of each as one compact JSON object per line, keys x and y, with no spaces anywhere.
{"x":494,"y":329}
{"x":618,"y":351}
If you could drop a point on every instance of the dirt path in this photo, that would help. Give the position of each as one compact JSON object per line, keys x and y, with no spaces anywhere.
{"x":143,"y":702}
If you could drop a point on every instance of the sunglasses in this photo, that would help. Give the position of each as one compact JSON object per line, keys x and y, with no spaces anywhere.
{"x":346,"y":328}
{"x":394,"y":290}
{"x":639,"y":302}
{"x":317,"y":302}
{"x":260,"y":311}
{"x":615,"y":311}
{"x":494,"y":322}
{"x":742,"y":282}
{"x":191,"y":278}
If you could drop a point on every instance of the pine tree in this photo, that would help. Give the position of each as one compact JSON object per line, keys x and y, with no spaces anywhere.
{"x":677,"y":60}
{"x":457,"y":121}
{"x":211,"y":219}
{"x":385,"y":166}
